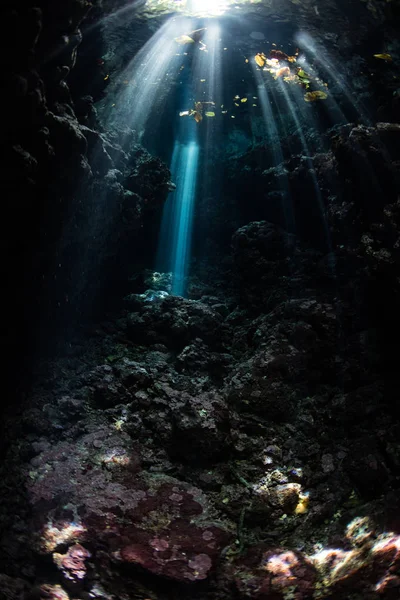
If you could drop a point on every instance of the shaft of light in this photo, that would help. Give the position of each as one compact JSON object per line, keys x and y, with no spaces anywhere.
{"x":206,"y":8}
{"x":293,"y":109}
{"x":274,"y":143}
{"x":325,"y":62}
{"x":169,"y":219}
{"x":149,"y":78}
{"x":187,"y":165}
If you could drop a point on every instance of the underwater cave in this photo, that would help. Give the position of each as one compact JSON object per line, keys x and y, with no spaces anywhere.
{"x":201,"y":291}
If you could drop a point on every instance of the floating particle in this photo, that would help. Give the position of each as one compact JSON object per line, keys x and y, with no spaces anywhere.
{"x":313,"y":96}
{"x":191,"y":37}
{"x":282,"y":71}
{"x":243,"y":100}
{"x":184,"y":39}
{"x":260,"y":59}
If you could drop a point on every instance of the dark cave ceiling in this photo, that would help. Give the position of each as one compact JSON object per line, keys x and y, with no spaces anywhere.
{"x":279,"y":10}
{"x":346,"y":23}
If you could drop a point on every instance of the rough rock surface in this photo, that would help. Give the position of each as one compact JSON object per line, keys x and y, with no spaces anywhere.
{"x":75,"y":196}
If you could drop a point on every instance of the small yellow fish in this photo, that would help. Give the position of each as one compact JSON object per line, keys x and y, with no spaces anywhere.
{"x":383,"y":57}
{"x":260,"y":59}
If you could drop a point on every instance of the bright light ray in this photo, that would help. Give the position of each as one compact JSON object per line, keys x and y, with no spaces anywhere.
{"x":169,"y":219}
{"x":207,"y":65}
{"x":294,"y":107}
{"x":274,"y":143}
{"x":207,"y":7}
{"x":322,"y":58}
{"x":335,"y":113}
{"x":187,"y":167}
{"x":176,"y":229}
{"x":149,"y":77}
{"x":196,"y":8}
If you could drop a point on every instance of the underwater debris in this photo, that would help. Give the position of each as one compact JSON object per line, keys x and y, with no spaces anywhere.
{"x":304,"y":77}
{"x":182,"y":40}
{"x":297,"y":75}
{"x":316,"y":95}
{"x":197,"y":111}
{"x":279,"y":55}
{"x":260,"y":59}
{"x":192,"y":37}
{"x":282,"y":71}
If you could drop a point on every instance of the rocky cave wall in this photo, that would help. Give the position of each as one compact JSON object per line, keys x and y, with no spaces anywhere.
{"x":72,"y":192}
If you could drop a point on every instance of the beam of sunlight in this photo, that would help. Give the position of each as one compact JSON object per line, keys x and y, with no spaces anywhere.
{"x":207,"y":7}
{"x":207,"y":79}
{"x":148,"y":79}
{"x":273,"y":142}
{"x":205,"y":87}
{"x":176,"y":229}
{"x":332,"y":69}
{"x":169,"y":218}
{"x":293,"y":104}
{"x":208,"y":86}
{"x":187,"y":167}
{"x":196,"y":8}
